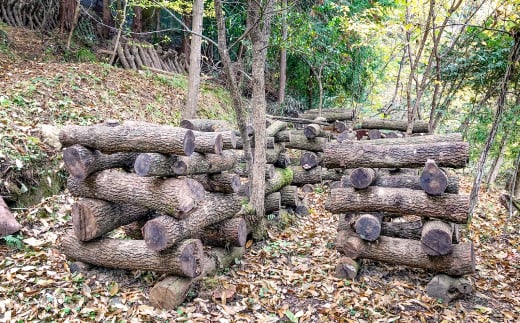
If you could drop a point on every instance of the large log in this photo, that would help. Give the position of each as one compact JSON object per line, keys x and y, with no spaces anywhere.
{"x":447,"y":154}
{"x":208,"y":142}
{"x":92,"y":218}
{"x":289,"y":196}
{"x":448,"y":288}
{"x":406,"y":181}
{"x":302,"y":176}
{"x":164,"y":231}
{"x":389,"y":124}
{"x":433,"y":180}
{"x":8,"y":224}
{"x":330,"y":115}
{"x":155,"y":164}
{"x":309,"y":159}
{"x":436,"y":237}
{"x":404,"y":201}
{"x":228,"y":233}
{"x":275,"y":127}
{"x":184,"y":260}
{"x":224,"y":182}
{"x":172,"y":196}
{"x":206,"y":125}
{"x":273,"y":202}
{"x":362,"y":177}
{"x":414,"y":140}
{"x":282,"y":177}
{"x":130,"y":137}
{"x":81,"y":161}
{"x":299,"y":141}
{"x":205,"y":164}
{"x":409,"y":253}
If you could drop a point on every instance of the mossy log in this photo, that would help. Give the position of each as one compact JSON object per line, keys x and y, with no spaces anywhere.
{"x":283,"y":177}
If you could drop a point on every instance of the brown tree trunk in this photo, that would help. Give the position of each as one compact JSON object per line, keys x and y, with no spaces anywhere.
{"x":401,"y":125}
{"x":434,"y":180}
{"x":283,"y":55}
{"x":364,"y":155}
{"x":184,"y":260}
{"x":8,"y":224}
{"x":436,"y":238}
{"x":450,"y":207}
{"x":204,"y":164}
{"x":137,"y":25}
{"x":289,"y":196}
{"x":228,"y":233}
{"x":107,"y":19}
{"x":283,"y":177}
{"x":172,"y":196}
{"x":497,"y":162}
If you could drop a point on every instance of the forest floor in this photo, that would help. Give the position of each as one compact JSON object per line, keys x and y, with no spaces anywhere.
{"x":289,"y":277}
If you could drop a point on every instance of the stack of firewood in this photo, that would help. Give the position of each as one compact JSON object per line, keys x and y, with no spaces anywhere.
{"x":376,"y":192}
{"x":174,"y":181}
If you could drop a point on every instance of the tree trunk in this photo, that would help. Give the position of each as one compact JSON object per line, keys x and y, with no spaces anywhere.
{"x":283,"y":55}
{"x":137,"y":25}
{"x":406,"y":181}
{"x":81,"y":162}
{"x":206,"y":125}
{"x":275,"y":127}
{"x":164,"y":231}
{"x":302,"y":143}
{"x":497,"y":163}
{"x":204,"y":164}
{"x":192,"y":98}
{"x":330,"y":114}
{"x":93,"y":218}
{"x":154,"y":164}
{"x":208,"y":142}
{"x":362,"y":177}
{"x":228,"y":233}
{"x":8,"y":224}
{"x":224,"y":182}
{"x":283,"y":177}
{"x":289,"y":196}
{"x":413,"y":140}
{"x":448,"y":288}
{"x":184,"y":260}
{"x":401,"y":125}
{"x":309,"y":159}
{"x":107,"y":19}
{"x":409,"y":253}
{"x":130,"y":137}
{"x":436,"y":238}
{"x":450,"y":207}
{"x":302,"y":176}
{"x":172,"y":196}
{"x":382,"y":156}
{"x":434,"y":180}
{"x":273,"y":202}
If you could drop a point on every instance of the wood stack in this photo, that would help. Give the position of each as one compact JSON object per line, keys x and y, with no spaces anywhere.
{"x":33,"y":14}
{"x":174,"y":184}
{"x":371,"y":197}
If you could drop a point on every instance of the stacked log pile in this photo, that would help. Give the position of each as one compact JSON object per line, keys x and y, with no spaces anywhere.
{"x":33,"y":14}
{"x":173,"y":183}
{"x":370,"y":197}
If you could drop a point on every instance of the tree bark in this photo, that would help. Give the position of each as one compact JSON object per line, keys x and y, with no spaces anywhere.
{"x":224,"y":182}
{"x":331,"y":115}
{"x":275,"y":127}
{"x":130,"y":137}
{"x":93,"y":218}
{"x":172,"y":196}
{"x":436,"y":238}
{"x":406,"y":181}
{"x":382,"y":156}
{"x":283,"y":177}
{"x":273,"y":202}
{"x":206,"y":125}
{"x":283,"y":55}
{"x":409,"y":253}
{"x":413,"y":140}
{"x":154,"y":164}
{"x":497,"y":162}
{"x":107,"y":19}
{"x":312,"y":131}
{"x":282,"y":136}
{"x":204,"y":164}
{"x":164,"y":231}
{"x":289,"y":196}
{"x":184,"y":260}
{"x":433,"y":179}
{"x":450,"y":207}
{"x":302,"y":143}
{"x":228,"y":233}
{"x":302,"y":176}
{"x":309,"y":159}
{"x":362,"y":177}
{"x":208,"y":142}
{"x":388,"y":124}
{"x":8,"y":224}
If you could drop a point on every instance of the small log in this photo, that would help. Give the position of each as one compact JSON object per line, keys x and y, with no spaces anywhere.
{"x":269,"y":170}
{"x":447,"y":154}
{"x":374,"y":134}
{"x":302,"y":143}
{"x":346,"y":268}
{"x":448,"y":288}
{"x":164,"y":231}
{"x":309,"y":159}
{"x":8,"y":224}
{"x":341,"y":126}
{"x":289,"y":196}
{"x":436,"y":238}
{"x":228,"y":233}
{"x":220,"y":182}
{"x":273,"y":154}
{"x":282,"y":136}
{"x":308,"y":188}
{"x":206,"y":125}
{"x":389,"y":124}
{"x":208,"y":142}
{"x":93,"y":218}
{"x":130,"y":137}
{"x":172,"y":196}
{"x":283,"y":160}
{"x":302,"y":176}
{"x":414,"y":140}
{"x":283,"y":177}
{"x":273,"y":202}
{"x":329,"y":115}
{"x":155,"y":164}
{"x":204,"y":164}
{"x":275,"y":127}
{"x":134,"y":230}
{"x":269,"y":143}
{"x":449,"y":207}
{"x":409,"y":253}
{"x":229,"y":139}
{"x":312,"y":131}
{"x":362,"y":177}
{"x":368,"y":227}
{"x":433,"y":180}
{"x":81,"y":161}
{"x":184,"y":260}
{"x":346,"y":136}
{"x":406,"y":181}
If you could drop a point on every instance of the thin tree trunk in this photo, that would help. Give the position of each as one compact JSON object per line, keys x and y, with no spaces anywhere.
{"x":107,"y":19}
{"x":116,"y":43}
{"x":283,"y":55}
{"x":137,"y":25}
{"x":74,"y":24}
{"x":497,"y":163}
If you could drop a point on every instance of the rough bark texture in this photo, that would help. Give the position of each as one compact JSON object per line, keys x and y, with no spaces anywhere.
{"x":164,"y":231}
{"x":273,"y":202}
{"x":413,"y":140}
{"x":220,"y":182}
{"x":418,"y":126}
{"x":409,"y":253}
{"x":289,"y":196}
{"x":228,"y":233}
{"x":433,"y":180}
{"x":436,"y":238}
{"x":229,"y":139}
{"x":81,"y":161}
{"x":283,"y":136}
{"x":206,"y":125}
{"x":341,"y":126}
{"x":309,"y":159}
{"x":329,"y":114}
{"x":406,"y":181}
{"x":172,"y":196}
{"x":283,"y":177}
{"x":154,"y":164}
{"x":299,"y":141}
{"x":312,"y":131}
{"x":334,"y":174}
{"x":448,"y":288}
{"x":368,"y":227}
{"x":275,"y":127}
{"x":362,"y":177}
{"x":8,"y":224}
{"x":93,"y":218}
{"x":183,"y":260}
{"x":204,"y":164}
{"x":405,"y":230}
{"x":130,"y":137}
{"x":346,"y":268}
{"x":208,"y":142}
{"x":450,"y":207}
{"x":302,"y":176}
{"x":451,"y":154}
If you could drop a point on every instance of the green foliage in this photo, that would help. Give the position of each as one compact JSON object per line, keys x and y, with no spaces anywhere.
{"x":14,"y":241}
{"x":85,"y":55}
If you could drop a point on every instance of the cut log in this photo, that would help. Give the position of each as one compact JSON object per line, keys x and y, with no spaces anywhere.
{"x":208,"y":142}
{"x":333,"y":174}
{"x":409,"y":253}
{"x":134,"y":230}
{"x":183,"y":260}
{"x":269,"y":170}
{"x":81,"y":161}
{"x":433,"y":180}
{"x":228,"y":233}
{"x":374,"y":134}
{"x":447,"y":154}
{"x":308,"y":188}
{"x":269,"y":143}
{"x":368,"y":227}
{"x":272,"y":155}
{"x":414,"y":140}
{"x":448,"y":288}
{"x":172,"y":196}
{"x":406,"y":181}
{"x":418,"y":126}
{"x":309,"y":159}
{"x":436,"y":238}
{"x":449,"y":207}
{"x":204,"y":164}
{"x":273,"y":202}
{"x":164,"y":231}
{"x":220,"y":182}
{"x":155,"y":164}
{"x":341,"y":126}
{"x":362,"y":177}
{"x":302,"y":176}
{"x":289,"y":196}
{"x":130,"y":137}
{"x":347,"y":268}
{"x":302,"y":143}
{"x":93,"y":218}
{"x":330,"y":115}
{"x":346,"y":136}
{"x":229,"y":139}
{"x":283,"y":160}
{"x":282,"y":177}
{"x":283,"y":136}
{"x":8,"y":224}
{"x":206,"y":125}
{"x":275,"y":127}
{"x":312,"y":131}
